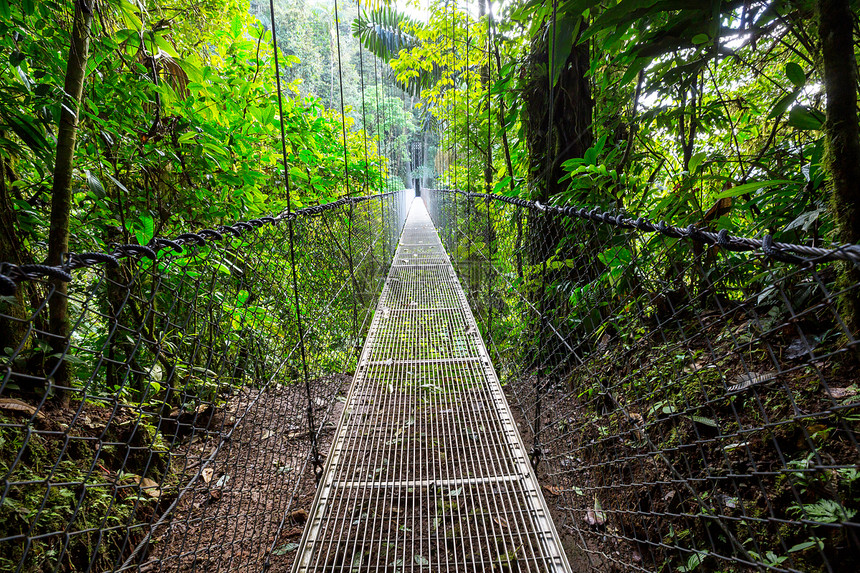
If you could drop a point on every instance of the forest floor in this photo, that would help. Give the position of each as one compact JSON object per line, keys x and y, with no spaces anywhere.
{"x":579,"y":560}
{"x":232,"y":523}
{"x":762,"y":435}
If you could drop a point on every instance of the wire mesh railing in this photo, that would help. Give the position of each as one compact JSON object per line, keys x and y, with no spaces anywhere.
{"x":192,"y":417}
{"x":690,"y":398}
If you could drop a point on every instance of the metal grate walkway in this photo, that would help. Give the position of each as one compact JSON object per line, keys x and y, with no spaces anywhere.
{"x":427,"y":471}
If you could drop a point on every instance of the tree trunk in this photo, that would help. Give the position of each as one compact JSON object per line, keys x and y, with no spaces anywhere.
{"x":61,"y":197}
{"x":555,"y":137}
{"x":835,"y":21}
{"x":13,"y":316}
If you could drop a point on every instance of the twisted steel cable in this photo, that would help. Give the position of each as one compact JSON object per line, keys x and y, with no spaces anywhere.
{"x":11,"y":274}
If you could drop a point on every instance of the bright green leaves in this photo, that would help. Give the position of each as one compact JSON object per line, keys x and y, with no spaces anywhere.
{"x":385,"y":31}
{"x":191,"y":69}
{"x":795,"y":74}
{"x":236,"y":27}
{"x":805,"y":117}
{"x":782,"y":104}
{"x":130,"y":14}
{"x":696,"y":159}
{"x":750,"y":187}
{"x":616,"y":261}
{"x":30,"y":132}
{"x":145,"y":229}
{"x":801,"y":117}
{"x":179,"y":124}
{"x":160,"y":42}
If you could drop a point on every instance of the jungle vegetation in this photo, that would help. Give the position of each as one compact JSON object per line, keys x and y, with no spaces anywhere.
{"x":122,"y":120}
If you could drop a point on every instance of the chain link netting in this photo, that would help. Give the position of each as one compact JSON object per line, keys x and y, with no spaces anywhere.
{"x":191,"y":432}
{"x":686,"y":403}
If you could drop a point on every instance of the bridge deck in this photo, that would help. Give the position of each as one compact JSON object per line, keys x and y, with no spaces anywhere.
{"x":427,"y":471}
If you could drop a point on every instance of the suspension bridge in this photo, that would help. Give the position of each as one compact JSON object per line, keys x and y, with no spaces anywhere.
{"x":341,"y":409}
{"x":427,"y":469}
{"x":458,"y":382}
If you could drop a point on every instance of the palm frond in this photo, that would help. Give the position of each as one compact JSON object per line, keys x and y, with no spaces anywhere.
{"x":383,"y":31}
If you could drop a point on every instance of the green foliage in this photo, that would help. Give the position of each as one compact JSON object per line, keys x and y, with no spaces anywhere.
{"x":102,"y":507}
{"x":174,"y":117}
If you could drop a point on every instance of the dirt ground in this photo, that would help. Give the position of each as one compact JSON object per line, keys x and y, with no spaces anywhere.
{"x":249,"y":506}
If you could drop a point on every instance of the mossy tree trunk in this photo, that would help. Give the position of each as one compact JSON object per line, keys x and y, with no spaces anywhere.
{"x":61,"y":196}
{"x":835,"y":28}
{"x":558,"y":127}
{"x":558,"y":118}
{"x":13,"y":316}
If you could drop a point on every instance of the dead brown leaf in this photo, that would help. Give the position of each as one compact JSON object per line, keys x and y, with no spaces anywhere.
{"x":841,"y":393}
{"x":299,"y":516}
{"x":19,"y":406}
{"x":149,"y":487}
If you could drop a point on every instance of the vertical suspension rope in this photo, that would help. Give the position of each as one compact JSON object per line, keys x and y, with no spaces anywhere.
{"x":453,"y":89}
{"x":382,"y":205}
{"x":315,"y":456}
{"x":364,"y":140}
{"x":468,"y":116}
{"x":488,"y":175}
{"x":350,"y":221}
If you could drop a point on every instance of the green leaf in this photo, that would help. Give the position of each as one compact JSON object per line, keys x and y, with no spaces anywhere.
{"x":750,"y":187}
{"x":705,"y":421}
{"x":129,"y":15}
{"x":29,"y":134}
{"x":782,"y":104}
{"x":803,"y":546}
{"x":5,"y":11}
{"x":117,"y":183}
{"x":236,"y":26}
{"x":164,"y":45}
{"x":806,"y":118}
{"x":124,"y":35}
{"x":561,"y":42}
{"x":286,"y":548}
{"x":795,"y":74}
{"x":147,"y":230}
{"x":828,"y":511}
{"x":194,"y":73}
{"x":633,"y":69}
{"x":242,"y":297}
{"x":421,"y":560}
{"x":696,"y":160}
{"x":701,"y":39}
{"x":693,"y":561}
{"x":95,"y":185}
